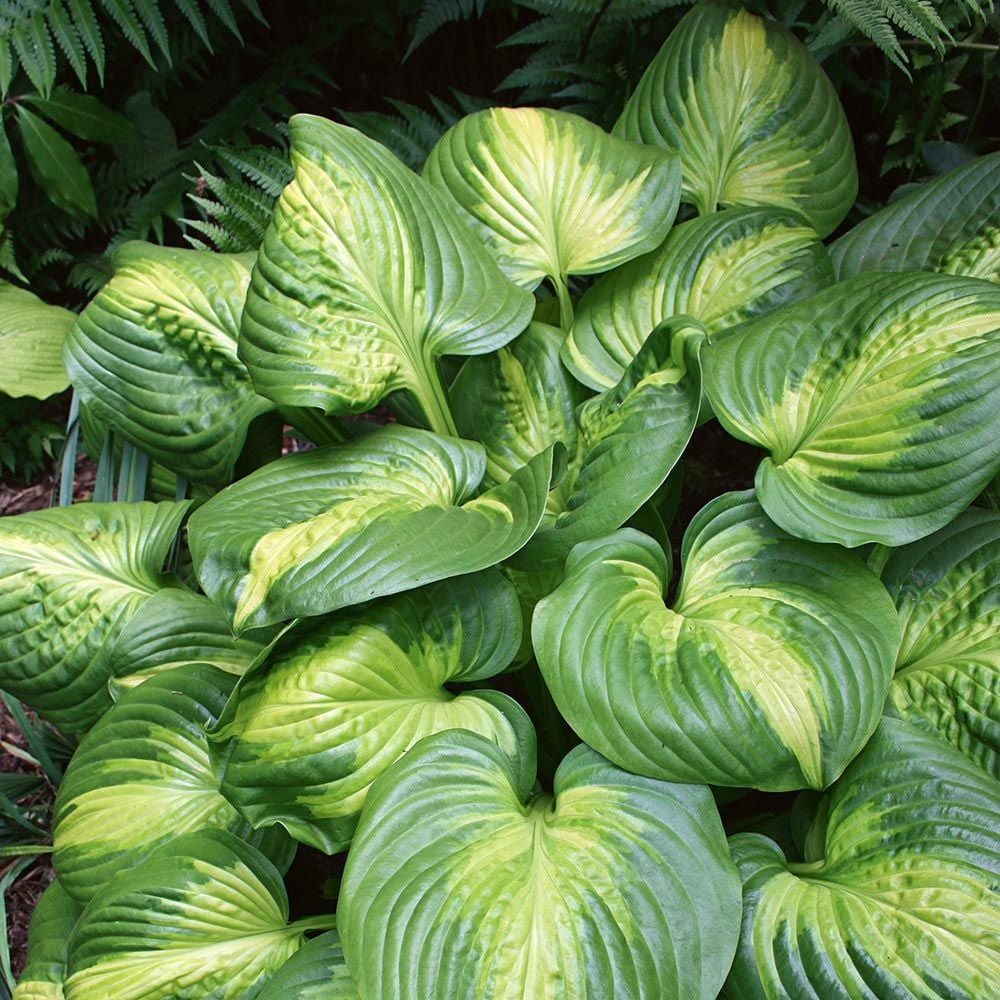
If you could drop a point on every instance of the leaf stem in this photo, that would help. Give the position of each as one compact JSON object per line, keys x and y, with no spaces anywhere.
{"x":565,"y":302}
{"x":432,"y":398}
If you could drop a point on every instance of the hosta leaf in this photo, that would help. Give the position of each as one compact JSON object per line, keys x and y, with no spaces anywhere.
{"x":553,"y":194}
{"x":342,"y":699}
{"x":461,"y":883}
{"x":770,"y":671}
{"x":722,"y":270}
{"x":344,"y":524}
{"x":621,"y":444}
{"x":901,"y":900}
{"x":317,"y":971}
{"x":205,"y":915}
{"x":31,"y":342}
{"x":754,"y":117}
{"x":141,"y":777}
{"x":52,"y":921}
{"x":949,"y":224}
{"x":365,"y":277}
{"x":877,"y":399}
{"x":947,"y":590}
{"x":173,"y":628}
{"x":70,"y":580}
{"x":154,"y":357}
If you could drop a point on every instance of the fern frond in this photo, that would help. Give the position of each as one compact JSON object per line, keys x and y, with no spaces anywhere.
{"x":437,"y":13}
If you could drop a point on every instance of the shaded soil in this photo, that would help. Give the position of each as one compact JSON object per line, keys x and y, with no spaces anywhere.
{"x":18,"y":498}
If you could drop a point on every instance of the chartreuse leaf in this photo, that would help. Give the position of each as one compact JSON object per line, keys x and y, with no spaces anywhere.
{"x":877,"y":399}
{"x":722,"y":270}
{"x":31,"y":343}
{"x":154,"y":357}
{"x":317,"y":971}
{"x":900,"y":896}
{"x":173,"y":628}
{"x":338,"y":701}
{"x":769,"y":671}
{"x":70,"y":580}
{"x":462,"y":883}
{"x":142,"y":776}
{"x":552,"y":194}
{"x":754,"y":117}
{"x":949,"y":224}
{"x":367,"y":275}
{"x":947,"y":591}
{"x":324,"y":529}
{"x":621,"y":444}
{"x":205,"y":915}
{"x":52,"y":922}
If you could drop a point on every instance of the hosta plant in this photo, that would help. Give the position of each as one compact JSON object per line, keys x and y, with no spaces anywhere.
{"x":450,"y":641}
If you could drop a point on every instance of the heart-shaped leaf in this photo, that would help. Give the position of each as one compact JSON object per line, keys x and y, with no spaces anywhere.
{"x":755,"y":119}
{"x":877,"y":399}
{"x":141,"y":777}
{"x":553,"y":194}
{"x":154,"y":357}
{"x":31,"y":342}
{"x":461,"y":883}
{"x":366,"y":276}
{"x":70,"y":580}
{"x":901,"y":899}
{"x":770,"y":671}
{"x":949,"y":224}
{"x":205,"y":915}
{"x":338,"y":701}
{"x":336,"y":526}
{"x":947,"y":591}
{"x":722,"y":270}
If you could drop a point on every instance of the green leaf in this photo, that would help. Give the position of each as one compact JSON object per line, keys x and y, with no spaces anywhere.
{"x":461,"y":883}
{"x":722,"y":270}
{"x":205,"y":915}
{"x":31,"y":343}
{"x":769,"y":671}
{"x":552,"y":194}
{"x":901,"y":897}
{"x":754,"y":117}
{"x":141,"y":777}
{"x":365,"y":277}
{"x":154,"y":358}
{"x":70,"y":580}
{"x":317,"y":971}
{"x":175,"y":627}
{"x":947,"y":591}
{"x":52,"y":922}
{"x":84,"y":116}
{"x":949,"y":224}
{"x":877,"y":400}
{"x":8,"y":175}
{"x":336,"y":526}
{"x":57,"y":169}
{"x":339,"y":700}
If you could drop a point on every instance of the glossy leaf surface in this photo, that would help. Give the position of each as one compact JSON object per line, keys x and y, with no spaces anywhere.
{"x":317,"y":971}
{"x":877,"y":399}
{"x":770,"y":670}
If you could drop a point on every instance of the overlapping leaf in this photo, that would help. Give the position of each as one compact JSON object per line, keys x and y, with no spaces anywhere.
{"x":366,"y":276}
{"x":770,"y":671}
{"x":339,"y":701}
{"x":52,"y":922}
{"x":752,"y":114}
{"x":324,"y":529}
{"x":70,"y":580}
{"x":317,"y":971}
{"x":722,"y":270}
{"x":950,"y":224}
{"x":901,"y":899}
{"x":154,"y":356}
{"x":461,"y":883}
{"x":205,"y":915}
{"x":553,"y":194}
{"x":877,"y":399}
{"x":31,"y":343}
{"x":142,"y":777}
{"x":947,"y":590}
